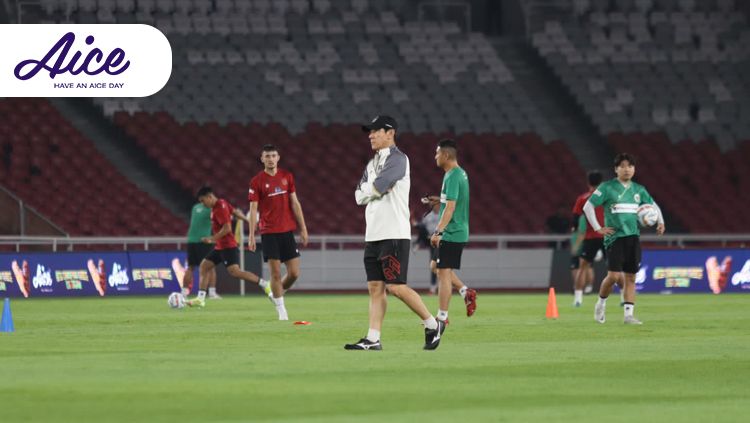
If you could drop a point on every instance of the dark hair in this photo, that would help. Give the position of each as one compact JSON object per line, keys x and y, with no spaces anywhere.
{"x":450,"y":148}
{"x":448,"y":143}
{"x":270,"y":147}
{"x":595,"y":178}
{"x":203,"y":191}
{"x":623,"y":157}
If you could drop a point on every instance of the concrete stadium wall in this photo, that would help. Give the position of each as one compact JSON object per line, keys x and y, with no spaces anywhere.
{"x":501,"y":269}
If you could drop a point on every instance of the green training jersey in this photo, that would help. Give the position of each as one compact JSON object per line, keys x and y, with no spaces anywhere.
{"x":456,"y":188}
{"x":200,"y":223}
{"x":620,"y":204}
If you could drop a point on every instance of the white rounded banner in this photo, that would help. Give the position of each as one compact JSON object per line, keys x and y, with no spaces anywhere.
{"x":65,"y":60}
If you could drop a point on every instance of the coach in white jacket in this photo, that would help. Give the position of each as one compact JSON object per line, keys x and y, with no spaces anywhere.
{"x":384,"y":188}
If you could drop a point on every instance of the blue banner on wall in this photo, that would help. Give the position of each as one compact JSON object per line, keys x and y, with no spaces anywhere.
{"x":717,"y":271}
{"x":156,"y":272}
{"x":89,"y":273}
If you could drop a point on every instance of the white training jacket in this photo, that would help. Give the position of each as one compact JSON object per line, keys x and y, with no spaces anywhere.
{"x":384,"y":188}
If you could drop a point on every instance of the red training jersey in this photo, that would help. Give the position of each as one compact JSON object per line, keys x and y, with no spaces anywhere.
{"x":221,"y":214}
{"x":272,"y":193}
{"x":578,"y":210}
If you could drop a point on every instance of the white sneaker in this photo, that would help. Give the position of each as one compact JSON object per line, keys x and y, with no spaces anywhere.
{"x":631,"y":320}
{"x":283,"y":314}
{"x":214,"y":297}
{"x":599,"y":313}
{"x":588,"y":289}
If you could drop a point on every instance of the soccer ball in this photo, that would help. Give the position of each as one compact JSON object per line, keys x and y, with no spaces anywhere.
{"x":647,"y":215}
{"x":176,"y":300}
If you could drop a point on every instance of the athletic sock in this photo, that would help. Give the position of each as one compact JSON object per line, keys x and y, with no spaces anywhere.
{"x":280,"y":308}
{"x":622,"y":296}
{"x":463,"y":290}
{"x":442,"y":315}
{"x":373,"y":335}
{"x":602,"y":301}
{"x":202,"y":294}
{"x":629,"y":309}
{"x":579,"y":295}
{"x":212,"y":291}
{"x":430,"y":323}
{"x":185,"y":292}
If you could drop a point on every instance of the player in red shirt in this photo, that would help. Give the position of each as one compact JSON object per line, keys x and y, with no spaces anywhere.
{"x":272,"y":193}
{"x":593,"y":242}
{"x":225,"y":248}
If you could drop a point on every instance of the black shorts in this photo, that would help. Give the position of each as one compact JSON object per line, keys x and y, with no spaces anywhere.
{"x":387,"y":260}
{"x":624,"y":255}
{"x":590,"y":248}
{"x":229,"y":256}
{"x":280,"y":246}
{"x":574,"y":263}
{"x":449,"y":254}
{"x":197,"y":251}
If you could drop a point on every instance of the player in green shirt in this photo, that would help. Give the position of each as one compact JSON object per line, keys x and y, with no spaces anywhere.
{"x":452,"y":231}
{"x":576,"y":244}
{"x":620,"y":198}
{"x":200,"y":227}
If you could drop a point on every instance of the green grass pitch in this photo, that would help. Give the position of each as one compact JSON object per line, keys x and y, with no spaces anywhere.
{"x":134,"y":359}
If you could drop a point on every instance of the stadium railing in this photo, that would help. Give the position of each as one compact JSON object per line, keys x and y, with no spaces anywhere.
{"x":21,"y":218}
{"x":338,"y":242}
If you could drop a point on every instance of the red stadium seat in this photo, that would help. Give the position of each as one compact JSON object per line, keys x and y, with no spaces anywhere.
{"x":41,"y":138}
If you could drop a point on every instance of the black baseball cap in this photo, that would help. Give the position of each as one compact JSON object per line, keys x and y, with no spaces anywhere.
{"x":381,"y":122}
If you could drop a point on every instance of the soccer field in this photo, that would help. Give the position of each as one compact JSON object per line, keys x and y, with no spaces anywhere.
{"x":134,"y":359}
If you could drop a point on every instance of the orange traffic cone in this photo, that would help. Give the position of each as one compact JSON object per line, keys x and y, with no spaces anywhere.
{"x":552,"y":305}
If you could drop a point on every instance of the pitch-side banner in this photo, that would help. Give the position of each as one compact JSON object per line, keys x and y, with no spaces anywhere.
{"x":674,"y":271}
{"x":89,"y":274}
{"x":156,"y":272}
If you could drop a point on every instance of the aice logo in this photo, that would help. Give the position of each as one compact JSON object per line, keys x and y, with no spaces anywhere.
{"x":743,"y":276}
{"x":83,"y":60}
{"x":112,"y":65}
{"x":43,"y":277}
{"x":119,"y":276}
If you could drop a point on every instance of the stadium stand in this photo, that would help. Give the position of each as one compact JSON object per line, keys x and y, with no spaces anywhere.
{"x":332,"y":63}
{"x":640,"y":66}
{"x":55,"y":169}
{"x":328,"y":161}
{"x":667,"y":80}
{"x":299,"y":73}
{"x":705,"y":189}
{"x":660,"y":76}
